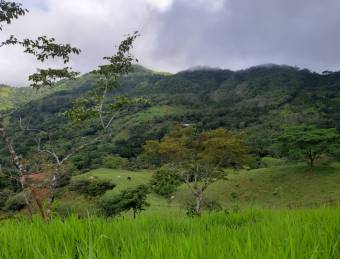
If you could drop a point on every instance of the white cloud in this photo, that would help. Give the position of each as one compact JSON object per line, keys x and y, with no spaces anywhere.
{"x":177,"y":34}
{"x":160,"y":5}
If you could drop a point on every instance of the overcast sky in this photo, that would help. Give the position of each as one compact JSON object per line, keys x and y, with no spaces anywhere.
{"x":178,"y":34}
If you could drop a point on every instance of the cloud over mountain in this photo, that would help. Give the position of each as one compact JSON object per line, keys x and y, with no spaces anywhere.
{"x":177,"y":34}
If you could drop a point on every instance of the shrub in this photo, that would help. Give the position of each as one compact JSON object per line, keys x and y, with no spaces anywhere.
{"x":4,"y":195}
{"x":116,"y":162}
{"x":91,"y":186}
{"x":190,"y":208}
{"x":63,"y":179}
{"x":209,"y":205}
{"x":16,"y":202}
{"x":213,"y":206}
{"x":233,"y":195}
{"x":165,"y":181}
{"x":271,"y":162}
{"x":129,"y":199}
{"x":3,"y":180}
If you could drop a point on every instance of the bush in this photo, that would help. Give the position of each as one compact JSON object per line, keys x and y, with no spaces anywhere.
{"x":213,"y":206}
{"x":16,"y":202}
{"x":3,"y":181}
{"x":116,"y":162}
{"x":165,"y":181}
{"x":190,"y":208}
{"x":129,"y":199}
{"x":4,"y":195}
{"x":209,"y":205}
{"x":63,"y":179}
{"x":91,"y":186}
{"x":271,"y":162}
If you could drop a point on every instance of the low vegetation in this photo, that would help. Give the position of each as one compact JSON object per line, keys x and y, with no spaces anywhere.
{"x":307,"y":233}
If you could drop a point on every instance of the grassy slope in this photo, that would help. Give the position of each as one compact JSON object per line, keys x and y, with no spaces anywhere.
{"x":123,"y":124}
{"x":15,"y":96}
{"x":275,"y":187}
{"x":119,"y":177}
{"x":253,"y":234}
{"x":280,"y":187}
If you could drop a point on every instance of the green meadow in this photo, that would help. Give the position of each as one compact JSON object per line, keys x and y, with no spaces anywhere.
{"x":305,"y":233}
{"x":274,"y":187}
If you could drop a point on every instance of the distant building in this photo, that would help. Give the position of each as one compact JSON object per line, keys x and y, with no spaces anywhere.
{"x":185,"y":125}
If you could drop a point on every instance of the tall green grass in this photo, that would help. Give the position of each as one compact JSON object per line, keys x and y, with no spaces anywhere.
{"x":252,"y":234}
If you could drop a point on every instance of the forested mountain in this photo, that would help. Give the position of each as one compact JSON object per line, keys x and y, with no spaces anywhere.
{"x":260,"y":100}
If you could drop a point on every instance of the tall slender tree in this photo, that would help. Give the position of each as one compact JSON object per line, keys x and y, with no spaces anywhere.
{"x":43,"y":48}
{"x":95,"y":105}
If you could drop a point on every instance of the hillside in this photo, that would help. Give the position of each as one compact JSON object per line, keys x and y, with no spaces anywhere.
{"x":279,"y":187}
{"x":260,"y":100}
{"x":15,"y":97}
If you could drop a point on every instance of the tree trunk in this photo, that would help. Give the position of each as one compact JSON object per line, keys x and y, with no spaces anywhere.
{"x":14,"y":157}
{"x":38,"y":201}
{"x":312,"y":159}
{"x":15,"y":160}
{"x":52,"y":186}
{"x":199,"y":199}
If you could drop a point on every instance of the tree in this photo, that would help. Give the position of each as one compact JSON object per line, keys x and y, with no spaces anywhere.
{"x":308,"y":142}
{"x":175,"y":147}
{"x":165,"y":181}
{"x":130,"y":199}
{"x":199,"y":158}
{"x":98,"y":105}
{"x":42,"y":48}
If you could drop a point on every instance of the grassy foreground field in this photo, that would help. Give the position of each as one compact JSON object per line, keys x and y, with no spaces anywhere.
{"x":309,"y":233}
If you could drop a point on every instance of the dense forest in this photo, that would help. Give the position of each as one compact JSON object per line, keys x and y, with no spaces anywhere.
{"x":261,"y":101}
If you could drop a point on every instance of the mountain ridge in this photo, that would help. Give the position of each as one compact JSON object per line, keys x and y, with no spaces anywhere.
{"x":260,"y":101}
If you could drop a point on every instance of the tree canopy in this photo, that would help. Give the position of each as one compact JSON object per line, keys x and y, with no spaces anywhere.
{"x":308,"y":142}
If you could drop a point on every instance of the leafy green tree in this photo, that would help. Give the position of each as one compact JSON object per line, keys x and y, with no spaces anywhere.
{"x":175,"y":147}
{"x":308,"y":142}
{"x":130,"y":199}
{"x":198,"y":158}
{"x":165,"y":181}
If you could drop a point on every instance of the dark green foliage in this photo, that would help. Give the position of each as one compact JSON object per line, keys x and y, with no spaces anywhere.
{"x":91,"y":186}
{"x":15,"y":202}
{"x":131,"y":199}
{"x":308,"y":142}
{"x":10,"y":11}
{"x":4,"y":195}
{"x":165,"y":181}
{"x":63,"y":179}
{"x":48,"y":77}
{"x":3,"y":181}
{"x":190,"y":208}
{"x":42,"y":49}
